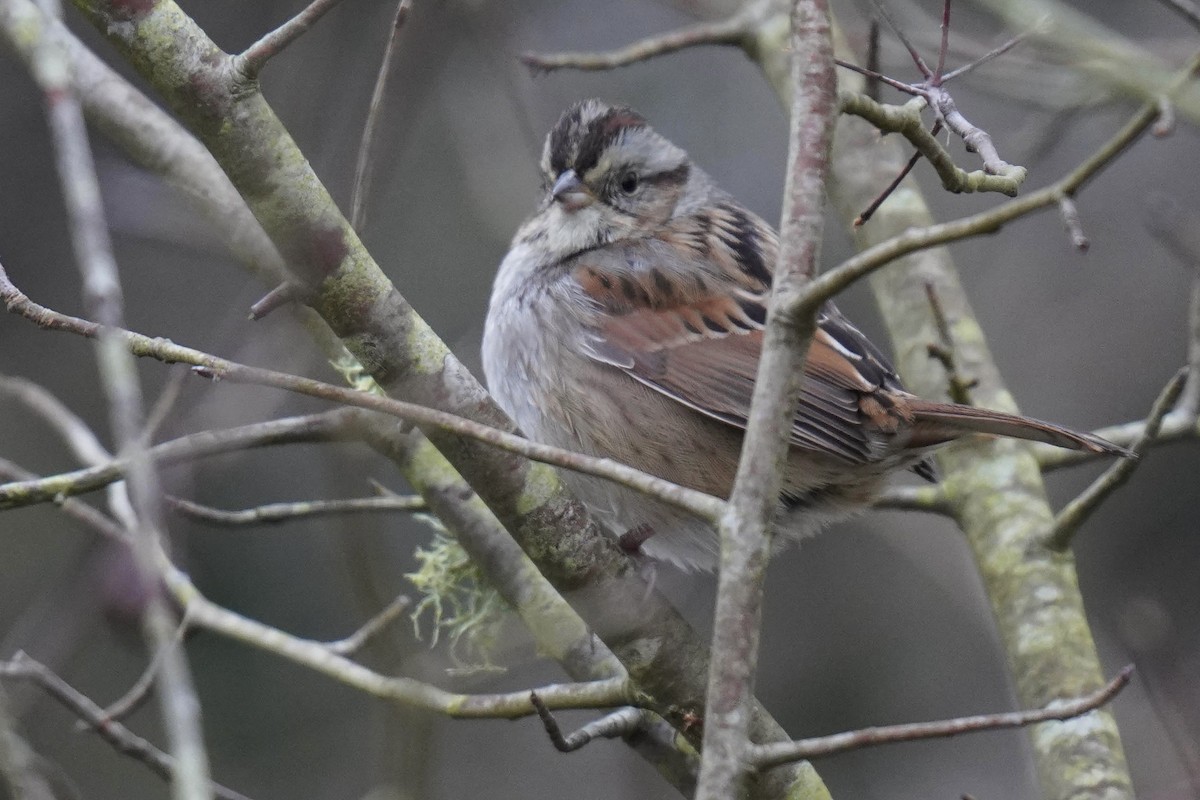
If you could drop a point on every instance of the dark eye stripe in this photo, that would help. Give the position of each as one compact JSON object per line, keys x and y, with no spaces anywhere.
{"x":677,"y":175}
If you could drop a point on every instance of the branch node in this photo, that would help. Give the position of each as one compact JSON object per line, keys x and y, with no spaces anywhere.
{"x":618,"y":724}
{"x":251,"y":61}
{"x":1069,"y":212}
{"x":278,"y":297}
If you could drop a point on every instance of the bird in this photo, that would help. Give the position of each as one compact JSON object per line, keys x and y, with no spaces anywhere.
{"x":626,"y":321}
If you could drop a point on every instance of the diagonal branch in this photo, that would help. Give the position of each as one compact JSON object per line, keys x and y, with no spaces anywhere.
{"x":123,"y":740}
{"x":699,"y":503}
{"x":251,"y":61}
{"x":330,"y":426}
{"x":771,"y":755}
{"x":1069,"y":520}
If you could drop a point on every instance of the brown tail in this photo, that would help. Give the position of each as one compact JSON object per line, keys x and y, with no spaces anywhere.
{"x":941,"y":422}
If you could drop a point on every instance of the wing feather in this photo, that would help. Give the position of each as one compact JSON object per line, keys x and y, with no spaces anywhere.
{"x":683,"y":313}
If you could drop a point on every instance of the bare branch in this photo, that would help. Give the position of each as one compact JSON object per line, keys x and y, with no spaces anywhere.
{"x":945,"y":43}
{"x":922,"y":67}
{"x":102,"y":292}
{"x":19,"y":772}
{"x":140,"y":691}
{"x":286,"y":512}
{"x":943,"y":349}
{"x":320,"y":657}
{"x":985,"y":58}
{"x":732,"y":31}
{"x":699,"y":503}
{"x":362,"y":173}
{"x":916,"y":239}
{"x":874,"y":205}
{"x":1070,"y":217}
{"x":328,"y":426}
{"x":256,"y":56}
{"x":371,"y":628}
{"x":66,"y":423}
{"x":745,"y":525}
{"x":123,"y":740}
{"x":999,"y":176}
{"x":96,"y":520}
{"x":1078,"y":510}
{"x":619,"y":723}
{"x":769,"y":755}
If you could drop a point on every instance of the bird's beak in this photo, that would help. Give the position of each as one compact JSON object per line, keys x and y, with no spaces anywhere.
{"x":570,"y":192}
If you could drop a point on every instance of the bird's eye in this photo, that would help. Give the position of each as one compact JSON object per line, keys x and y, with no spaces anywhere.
{"x":629,"y":182}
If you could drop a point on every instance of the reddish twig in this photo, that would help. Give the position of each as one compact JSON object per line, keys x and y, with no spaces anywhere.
{"x":251,"y":61}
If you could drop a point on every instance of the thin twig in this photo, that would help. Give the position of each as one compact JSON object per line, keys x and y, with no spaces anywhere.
{"x":123,"y":740}
{"x":731,"y":31}
{"x":278,"y":297}
{"x":945,"y":44}
{"x":1078,"y":510}
{"x":699,"y":503}
{"x":943,"y":350}
{"x":329,"y":426}
{"x":922,"y":67}
{"x":75,"y":433}
{"x":81,"y":439}
{"x":319,"y":657}
{"x":1186,"y":9}
{"x":985,"y":58}
{"x":93,"y":518}
{"x":619,"y":723}
{"x":871,"y":89}
{"x":137,"y":694}
{"x":1069,"y":213}
{"x":362,"y":172}
{"x":179,"y":705}
{"x":873,"y":258}
{"x":272,"y":513}
{"x":874,"y":205}
{"x":251,"y":61}
{"x":19,"y":772}
{"x":879,"y":77}
{"x":164,"y":404}
{"x":766,"y":756}
{"x":371,"y":628}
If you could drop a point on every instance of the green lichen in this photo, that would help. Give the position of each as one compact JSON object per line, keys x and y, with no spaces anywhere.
{"x":356,"y":375}
{"x":541,"y":484}
{"x":458,"y":600}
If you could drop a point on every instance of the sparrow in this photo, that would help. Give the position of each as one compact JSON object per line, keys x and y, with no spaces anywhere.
{"x":626,"y":321}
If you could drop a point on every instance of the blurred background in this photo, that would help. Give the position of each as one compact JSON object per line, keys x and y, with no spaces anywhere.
{"x":879,"y":621}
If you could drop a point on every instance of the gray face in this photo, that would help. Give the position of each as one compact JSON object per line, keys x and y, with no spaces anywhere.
{"x":634,"y":176}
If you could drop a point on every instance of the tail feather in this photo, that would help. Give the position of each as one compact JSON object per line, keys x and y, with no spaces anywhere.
{"x":940,"y":422}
